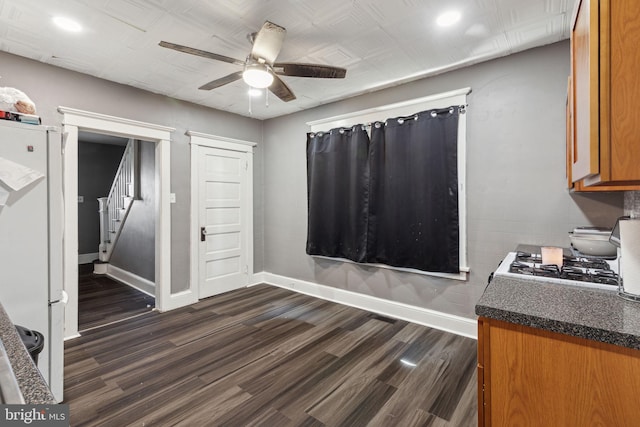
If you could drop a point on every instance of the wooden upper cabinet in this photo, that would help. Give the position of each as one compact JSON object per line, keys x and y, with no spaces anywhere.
{"x":603,"y":135}
{"x":624,"y":72}
{"x":584,"y":73}
{"x":569,"y":137}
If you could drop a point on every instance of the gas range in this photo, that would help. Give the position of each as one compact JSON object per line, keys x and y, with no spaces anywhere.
{"x":577,"y":271}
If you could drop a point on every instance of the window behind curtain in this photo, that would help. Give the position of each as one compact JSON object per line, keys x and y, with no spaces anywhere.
{"x":456,"y":97}
{"x":413,"y":192}
{"x":337,"y":183}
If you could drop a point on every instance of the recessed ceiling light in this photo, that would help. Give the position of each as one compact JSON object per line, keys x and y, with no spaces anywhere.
{"x":448,"y":18}
{"x":67,"y":24}
{"x":255,"y":92}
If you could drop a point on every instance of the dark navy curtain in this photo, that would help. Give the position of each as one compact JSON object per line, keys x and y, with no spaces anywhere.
{"x":413,"y":194}
{"x":337,"y":185}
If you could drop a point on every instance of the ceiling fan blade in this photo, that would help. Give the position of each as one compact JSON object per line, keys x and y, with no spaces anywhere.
{"x":198,"y":52}
{"x":309,"y":70}
{"x":268,"y":42}
{"x":281,"y":90}
{"x":222,"y":81}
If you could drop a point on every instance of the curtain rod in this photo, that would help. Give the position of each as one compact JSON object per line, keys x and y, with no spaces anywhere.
{"x":429,"y":98}
{"x":462,"y":110}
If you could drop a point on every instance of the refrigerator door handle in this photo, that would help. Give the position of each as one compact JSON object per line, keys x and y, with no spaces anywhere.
{"x":64,"y":298}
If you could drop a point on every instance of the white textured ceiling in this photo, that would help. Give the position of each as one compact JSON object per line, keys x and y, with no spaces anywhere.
{"x":379,"y":42}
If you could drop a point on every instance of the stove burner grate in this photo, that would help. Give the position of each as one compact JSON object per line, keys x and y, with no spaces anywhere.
{"x":574,"y":268}
{"x":570,"y":261}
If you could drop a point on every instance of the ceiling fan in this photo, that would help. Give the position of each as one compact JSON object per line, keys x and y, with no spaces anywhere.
{"x":260,"y":69}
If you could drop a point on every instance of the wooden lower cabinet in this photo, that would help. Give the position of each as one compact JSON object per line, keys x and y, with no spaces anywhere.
{"x":532,"y":377}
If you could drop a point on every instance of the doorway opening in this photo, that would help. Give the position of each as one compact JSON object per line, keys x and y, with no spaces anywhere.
{"x":116,"y":229}
{"x":75,"y":121}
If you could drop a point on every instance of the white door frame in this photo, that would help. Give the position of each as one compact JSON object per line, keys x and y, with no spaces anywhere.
{"x":75,"y":120}
{"x":202,"y":139}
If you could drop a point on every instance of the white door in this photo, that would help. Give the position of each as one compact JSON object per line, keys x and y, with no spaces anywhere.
{"x":223,"y":220}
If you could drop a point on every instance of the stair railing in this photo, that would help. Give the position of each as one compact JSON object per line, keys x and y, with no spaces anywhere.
{"x":114,"y":208}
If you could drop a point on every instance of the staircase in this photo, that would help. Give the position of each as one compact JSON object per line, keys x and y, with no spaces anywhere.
{"x":115,"y":207}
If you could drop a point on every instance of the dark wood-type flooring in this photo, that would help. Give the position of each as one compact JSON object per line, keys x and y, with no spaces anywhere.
{"x":102,"y":300}
{"x":265,"y":356}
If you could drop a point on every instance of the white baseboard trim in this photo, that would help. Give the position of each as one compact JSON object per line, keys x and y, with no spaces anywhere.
{"x":257,"y":278}
{"x":70,"y":337}
{"x":87,"y":258}
{"x":133,"y":280}
{"x":178,"y":300}
{"x":446,"y":322}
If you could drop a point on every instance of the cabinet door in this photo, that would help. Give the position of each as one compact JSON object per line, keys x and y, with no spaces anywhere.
{"x":537,"y":377}
{"x":622,"y":68}
{"x":584,"y":70}
{"x":484,"y":389}
{"x":569,"y":130}
{"x":602,"y":128}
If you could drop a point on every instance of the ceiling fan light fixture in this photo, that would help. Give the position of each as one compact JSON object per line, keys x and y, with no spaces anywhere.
{"x":257,"y":76}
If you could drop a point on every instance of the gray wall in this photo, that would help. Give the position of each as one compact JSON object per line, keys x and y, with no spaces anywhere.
{"x":97,"y":165}
{"x":50,"y":87}
{"x":515,"y":179}
{"x":135,"y":249}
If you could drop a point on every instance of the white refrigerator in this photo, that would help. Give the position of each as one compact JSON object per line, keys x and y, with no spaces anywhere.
{"x":31,"y":246}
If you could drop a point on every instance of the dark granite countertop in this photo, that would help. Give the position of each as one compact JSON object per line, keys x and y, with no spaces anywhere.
{"x":33,"y":386}
{"x":594,"y":314}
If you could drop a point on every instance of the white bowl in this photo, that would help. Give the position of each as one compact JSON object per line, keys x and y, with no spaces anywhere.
{"x":593,"y":244}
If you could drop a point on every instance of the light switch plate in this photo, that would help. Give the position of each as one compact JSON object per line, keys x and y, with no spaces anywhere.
{"x":172,"y":197}
{"x":80,"y":199}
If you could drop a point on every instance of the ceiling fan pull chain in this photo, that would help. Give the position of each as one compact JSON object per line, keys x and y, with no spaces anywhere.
{"x":250,"y":112}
